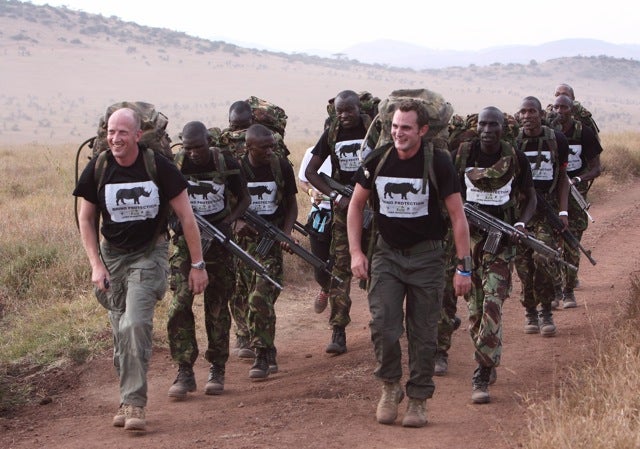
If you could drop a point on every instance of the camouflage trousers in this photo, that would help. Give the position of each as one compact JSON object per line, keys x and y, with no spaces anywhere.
{"x":339,"y":294}
{"x":449,"y":299}
{"x":259,"y":294}
{"x":578,"y":222}
{"x":181,"y":326}
{"x":537,"y":274}
{"x":490,"y":286}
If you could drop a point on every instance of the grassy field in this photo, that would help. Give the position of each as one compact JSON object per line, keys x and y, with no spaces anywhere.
{"x":49,"y":316}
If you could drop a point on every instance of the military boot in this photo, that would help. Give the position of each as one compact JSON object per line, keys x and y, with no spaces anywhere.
{"x":260,"y":368}
{"x":441,"y":364}
{"x":569,"y":300}
{"x":416,"y":415}
{"x":215,"y":382}
{"x":271,"y":359}
{"x":392,"y":395}
{"x":185,"y":382}
{"x":480,"y":384}
{"x":547,"y":328}
{"x":532,"y":325}
{"x":338,"y":343}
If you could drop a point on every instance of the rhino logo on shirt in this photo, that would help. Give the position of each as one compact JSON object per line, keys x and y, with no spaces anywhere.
{"x":131,"y":194}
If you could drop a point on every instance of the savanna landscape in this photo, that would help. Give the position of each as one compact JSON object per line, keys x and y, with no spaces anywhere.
{"x":61,"y":69}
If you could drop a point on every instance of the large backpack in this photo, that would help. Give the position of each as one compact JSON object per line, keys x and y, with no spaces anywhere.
{"x":153,"y":126}
{"x":368,"y":105}
{"x":268,"y":114}
{"x":466,"y":129}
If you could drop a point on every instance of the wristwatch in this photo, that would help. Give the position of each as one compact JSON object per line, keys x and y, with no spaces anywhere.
{"x":466,"y":262}
{"x":199,"y":266}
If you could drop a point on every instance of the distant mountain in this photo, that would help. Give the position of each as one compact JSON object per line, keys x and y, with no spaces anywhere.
{"x":402,"y":54}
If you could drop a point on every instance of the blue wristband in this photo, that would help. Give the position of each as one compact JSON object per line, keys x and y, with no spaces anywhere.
{"x":463,"y":273}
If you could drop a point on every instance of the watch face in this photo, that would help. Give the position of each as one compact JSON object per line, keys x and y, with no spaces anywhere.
{"x":199,"y":266}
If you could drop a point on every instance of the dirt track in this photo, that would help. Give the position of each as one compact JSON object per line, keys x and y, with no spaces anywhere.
{"x":319,"y":401}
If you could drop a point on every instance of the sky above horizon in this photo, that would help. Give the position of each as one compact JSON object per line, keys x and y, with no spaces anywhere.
{"x":334,"y":25}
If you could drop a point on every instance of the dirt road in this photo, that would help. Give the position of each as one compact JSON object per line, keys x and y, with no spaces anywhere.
{"x":320,"y":401}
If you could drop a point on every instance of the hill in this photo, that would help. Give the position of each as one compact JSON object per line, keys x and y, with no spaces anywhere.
{"x":61,"y":68}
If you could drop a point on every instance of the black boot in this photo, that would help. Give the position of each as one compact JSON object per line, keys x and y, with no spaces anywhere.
{"x":480,"y":383}
{"x":260,"y":368}
{"x":338,"y":343}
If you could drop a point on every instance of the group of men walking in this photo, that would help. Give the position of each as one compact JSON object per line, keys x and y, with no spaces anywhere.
{"x":417,"y":192}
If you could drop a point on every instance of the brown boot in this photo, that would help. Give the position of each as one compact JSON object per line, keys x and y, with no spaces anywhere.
{"x":416,"y":415}
{"x":392,"y":395}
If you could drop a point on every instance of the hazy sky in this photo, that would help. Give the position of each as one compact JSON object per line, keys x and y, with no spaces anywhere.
{"x":333,"y":25}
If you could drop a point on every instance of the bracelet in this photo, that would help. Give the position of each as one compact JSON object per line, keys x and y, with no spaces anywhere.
{"x":515,"y":225}
{"x":463,"y":273}
{"x":563,"y":213}
{"x":578,"y":179}
{"x":310,"y":192}
{"x":338,"y":198}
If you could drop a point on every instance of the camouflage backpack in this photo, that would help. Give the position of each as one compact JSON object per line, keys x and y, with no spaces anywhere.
{"x":153,"y":125}
{"x":268,"y":114}
{"x":466,"y":129}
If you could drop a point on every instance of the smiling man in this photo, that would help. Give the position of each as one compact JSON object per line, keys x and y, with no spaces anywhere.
{"x":410,"y":182}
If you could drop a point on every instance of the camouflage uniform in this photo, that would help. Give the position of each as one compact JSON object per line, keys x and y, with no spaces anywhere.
{"x":449,"y":300}
{"x":181,"y":323}
{"x":260,"y":294}
{"x":339,"y":298}
{"x":578,"y":223}
{"x":490,"y":286}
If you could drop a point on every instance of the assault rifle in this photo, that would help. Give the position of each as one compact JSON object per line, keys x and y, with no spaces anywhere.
{"x":270,"y":233}
{"x":582,"y":202}
{"x":496,"y":229}
{"x":347,"y":191}
{"x":552,"y":215}
{"x":209,"y":232}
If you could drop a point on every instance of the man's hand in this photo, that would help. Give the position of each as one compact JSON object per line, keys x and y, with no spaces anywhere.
{"x":360,"y":265}
{"x":198,"y":280}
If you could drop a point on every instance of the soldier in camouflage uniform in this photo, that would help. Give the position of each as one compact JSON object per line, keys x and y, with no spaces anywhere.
{"x":547,"y":151}
{"x":340,"y":141}
{"x":272,"y":186}
{"x":212,"y":177}
{"x":497,"y":179}
{"x":583,"y":167}
{"x":233,"y":139}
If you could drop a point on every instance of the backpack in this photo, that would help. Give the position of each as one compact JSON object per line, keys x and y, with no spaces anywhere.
{"x":546,"y":141}
{"x":466,"y":129}
{"x":580,"y":114}
{"x":268,"y":114}
{"x":153,"y":126}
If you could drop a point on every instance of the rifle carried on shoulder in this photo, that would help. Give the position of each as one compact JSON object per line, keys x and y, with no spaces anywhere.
{"x":496,"y":229}
{"x":347,"y":191}
{"x":582,"y":202}
{"x":209,"y":233}
{"x":270,"y":234}
{"x":552,"y":215}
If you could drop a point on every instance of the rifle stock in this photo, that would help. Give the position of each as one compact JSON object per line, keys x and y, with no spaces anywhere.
{"x":270,"y":233}
{"x":347,"y":191}
{"x":582,"y":202}
{"x":552,"y":215}
{"x":497,"y":229}
{"x":209,"y":233}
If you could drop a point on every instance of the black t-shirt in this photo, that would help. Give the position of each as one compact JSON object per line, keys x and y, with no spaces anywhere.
{"x":348,"y":142}
{"x":263,"y":189}
{"x":580,"y":152}
{"x":129,"y":201}
{"x":405,"y":215}
{"x":207,"y":187}
{"x":544,"y":174}
{"x":492,"y":203}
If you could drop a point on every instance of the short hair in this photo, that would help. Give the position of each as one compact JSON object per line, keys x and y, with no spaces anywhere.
{"x":348,"y":95}
{"x":569,"y":88}
{"x":133,"y":114}
{"x":194,"y":129}
{"x":240,"y":107}
{"x":257,"y":131}
{"x":495,"y":110}
{"x":534,"y":100}
{"x":411,"y":104}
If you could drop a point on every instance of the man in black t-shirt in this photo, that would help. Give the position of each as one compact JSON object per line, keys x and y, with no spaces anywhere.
{"x":408,"y":258}
{"x":129,"y":270}
{"x":341,"y":141}
{"x":214,"y":176}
